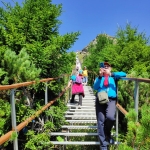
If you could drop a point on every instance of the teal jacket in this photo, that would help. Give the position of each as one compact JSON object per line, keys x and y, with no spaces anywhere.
{"x":111,"y":89}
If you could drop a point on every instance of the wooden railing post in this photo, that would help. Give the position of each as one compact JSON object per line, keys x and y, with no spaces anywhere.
{"x":13,"y":117}
{"x":136,"y":97}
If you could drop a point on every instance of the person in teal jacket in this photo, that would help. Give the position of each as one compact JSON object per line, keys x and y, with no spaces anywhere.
{"x":105,"y":113}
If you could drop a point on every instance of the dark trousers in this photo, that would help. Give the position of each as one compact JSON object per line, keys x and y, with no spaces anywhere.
{"x":80,"y":98}
{"x":105,"y":120}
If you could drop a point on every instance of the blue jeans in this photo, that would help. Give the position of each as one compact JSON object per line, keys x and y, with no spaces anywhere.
{"x":105,"y":120}
{"x":85,"y":79}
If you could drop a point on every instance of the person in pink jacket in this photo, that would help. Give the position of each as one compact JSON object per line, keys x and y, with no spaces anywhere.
{"x":77,"y":87}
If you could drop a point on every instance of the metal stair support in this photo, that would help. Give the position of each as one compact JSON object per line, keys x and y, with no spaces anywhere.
{"x":72,"y":134}
{"x":81,"y":116}
{"x":78,"y":127}
{"x":75,"y":143}
{"x":76,"y":113}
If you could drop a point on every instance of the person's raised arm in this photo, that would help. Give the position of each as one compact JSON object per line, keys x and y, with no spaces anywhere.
{"x":69,"y":83}
{"x":118,"y":74}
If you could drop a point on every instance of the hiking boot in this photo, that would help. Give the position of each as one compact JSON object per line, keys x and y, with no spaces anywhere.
{"x":110,"y":140}
{"x":71,"y":101}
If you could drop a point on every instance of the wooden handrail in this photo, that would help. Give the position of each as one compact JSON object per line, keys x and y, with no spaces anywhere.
{"x":121,"y":109}
{"x":17,"y":85}
{"x":7,"y":136}
{"x":130,"y":78}
{"x":136,"y":79}
{"x":93,"y":72}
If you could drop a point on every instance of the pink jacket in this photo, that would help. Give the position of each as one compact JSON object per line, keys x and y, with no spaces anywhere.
{"x":77,"y":88}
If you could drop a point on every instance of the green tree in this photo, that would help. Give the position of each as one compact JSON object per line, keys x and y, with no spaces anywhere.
{"x":18,"y":68}
{"x":97,"y":52}
{"x":128,"y":53}
{"x":137,"y":136}
{"x":35,"y":26}
{"x":31,"y":47}
{"x":4,"y":116}
{"x":132,"y":50}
